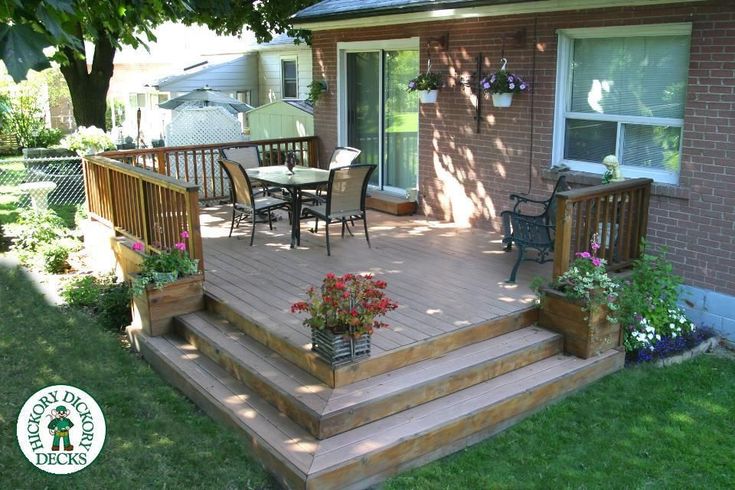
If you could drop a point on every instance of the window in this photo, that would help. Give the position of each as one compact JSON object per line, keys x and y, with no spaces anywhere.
{"x":289,"y":79}
{"x":244,"y":96}
{"x":138,"y":101}
{"x":621,"y":91}
{"x":161,"y":98}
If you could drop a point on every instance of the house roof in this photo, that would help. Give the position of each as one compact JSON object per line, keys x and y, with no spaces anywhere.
{"x":205,"y":67}
{"x":341,"y":9}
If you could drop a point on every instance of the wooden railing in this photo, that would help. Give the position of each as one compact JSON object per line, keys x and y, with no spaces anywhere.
{"x":143,"y":205}
{"x":197,"y":164}
{"x":617,"y":213}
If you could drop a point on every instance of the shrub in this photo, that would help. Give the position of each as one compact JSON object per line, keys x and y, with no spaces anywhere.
{"x":55,"y":258}
{"x":105,"y":298}
{"x":37,"y":229}
{"x":82,"y":292}
{"x":654,"y":325}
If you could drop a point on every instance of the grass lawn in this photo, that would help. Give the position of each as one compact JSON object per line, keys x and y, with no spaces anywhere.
{"x":642,"y":427}
{"x":156,"y":438}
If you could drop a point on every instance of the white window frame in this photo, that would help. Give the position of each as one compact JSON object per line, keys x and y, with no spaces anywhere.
{"x":295,"y":60}
{"x":562,"y":109}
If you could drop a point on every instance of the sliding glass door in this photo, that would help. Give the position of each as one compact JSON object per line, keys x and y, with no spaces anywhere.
{"x":380,"y":117}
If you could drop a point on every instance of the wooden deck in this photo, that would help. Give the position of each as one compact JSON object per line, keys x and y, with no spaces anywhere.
{"x":444,"y":278}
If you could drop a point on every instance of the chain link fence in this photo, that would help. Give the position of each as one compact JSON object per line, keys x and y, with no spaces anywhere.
{"x":64,"y":171}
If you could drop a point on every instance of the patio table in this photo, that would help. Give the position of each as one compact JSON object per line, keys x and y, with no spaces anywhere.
{"x":302,"y":178}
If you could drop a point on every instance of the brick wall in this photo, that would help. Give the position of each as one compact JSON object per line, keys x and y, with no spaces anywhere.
{"x":466,"y":177}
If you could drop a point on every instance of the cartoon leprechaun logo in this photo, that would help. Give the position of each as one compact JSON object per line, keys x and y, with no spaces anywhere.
{"x":59,"y":427}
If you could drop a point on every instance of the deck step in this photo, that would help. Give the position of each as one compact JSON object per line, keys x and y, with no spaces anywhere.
{"x":325,"y":411}
{"x":431,"y":348}
{"x":366,"y":455}
{"x":391,"y":204}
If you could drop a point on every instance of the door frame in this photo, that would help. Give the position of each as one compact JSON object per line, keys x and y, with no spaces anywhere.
{"x":411,"y":43}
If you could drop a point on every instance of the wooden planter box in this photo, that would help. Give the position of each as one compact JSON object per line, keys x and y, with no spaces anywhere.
{"x":586,"y":333}
{"x":155,"y":309}
{"x":339,"y":349}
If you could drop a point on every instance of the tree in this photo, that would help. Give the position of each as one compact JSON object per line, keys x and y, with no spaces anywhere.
{"x":28,"y":27}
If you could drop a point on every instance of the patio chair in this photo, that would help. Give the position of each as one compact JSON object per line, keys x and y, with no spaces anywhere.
{"x":247,"y":157}
{"x":535,"y":231}
{"x":243,"y":201}
{"x":345,"y":199}
{"x":342,"y":156}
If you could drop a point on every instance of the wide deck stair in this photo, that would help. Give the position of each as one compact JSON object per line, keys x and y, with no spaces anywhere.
{"x":352,"y":427}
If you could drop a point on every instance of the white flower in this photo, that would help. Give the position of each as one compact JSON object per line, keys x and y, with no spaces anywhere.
{"x":658,"y":337}
{"x":674,"y":335}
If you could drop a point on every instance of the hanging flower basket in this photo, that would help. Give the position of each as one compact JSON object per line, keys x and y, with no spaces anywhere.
{"x":428,"y":96}
{"x":502,"y":85}
{"x":338,"y":348}
{"x":502,"y":100}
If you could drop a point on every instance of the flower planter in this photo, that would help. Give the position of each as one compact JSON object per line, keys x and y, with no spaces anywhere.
{"x":339,"y":349}
{"x":586,"y":333}
{"x":155,"y":309}
{"x":502,"y":100}
{"x":428,"y":96}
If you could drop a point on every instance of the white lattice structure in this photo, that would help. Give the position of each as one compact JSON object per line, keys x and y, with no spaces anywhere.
{"x":201,"y":126}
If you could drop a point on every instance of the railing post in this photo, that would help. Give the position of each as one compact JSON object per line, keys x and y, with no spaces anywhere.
{"x":161,"y":161}
{"x":195,"y":233}
{"x":143,"y":210}
{"x":563,"y":235}
{"x":314,"y":152}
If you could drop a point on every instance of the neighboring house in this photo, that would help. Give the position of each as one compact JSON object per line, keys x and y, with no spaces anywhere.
{"x":279,"y":69}
{"x":651,"y":81}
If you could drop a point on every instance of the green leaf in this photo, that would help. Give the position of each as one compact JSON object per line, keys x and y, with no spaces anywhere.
{"x":21,"y":49}
{"x":61,"y":5}
{"x":52,"y":25}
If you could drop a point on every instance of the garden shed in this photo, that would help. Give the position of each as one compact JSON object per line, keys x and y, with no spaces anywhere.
{"x":282,"y":119}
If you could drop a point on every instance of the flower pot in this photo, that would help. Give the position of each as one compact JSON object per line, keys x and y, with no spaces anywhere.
{"x":586,"y":333}
{"x":338,"y":348}
{"x":428,"y":96}
{"x":155,"y":308}
{"x":502,"y":100}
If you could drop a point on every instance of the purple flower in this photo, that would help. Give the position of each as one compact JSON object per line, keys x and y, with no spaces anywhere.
{"x":486,"y":85}
{"x":523,"y":86}
{"x":138,"y":247}
{"x":411,"y":84}
{"x":511,"y":86}
{"x":595,"y":246}
{"x":584,"y":255}
{"x":180,"y":246}
{"x":184,"y":234}
{"x":492,"y":79}
{"x":596,"y":261}
{"x":510,"y":79}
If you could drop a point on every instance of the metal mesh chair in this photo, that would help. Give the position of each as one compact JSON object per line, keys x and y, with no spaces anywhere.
{"x":345,"y":199}
{"x":243,"y":201}
{"x":342,"y":156}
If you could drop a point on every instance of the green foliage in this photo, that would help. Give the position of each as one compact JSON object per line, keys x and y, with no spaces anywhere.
{"x":104,"y":297}
{"x":46,"y":137}
{"x":316,"y":89}
{"x":165,"y":267}
{"x":25,"y":120}
{"x":118,"y":106}
{"x":425,"y":81}
{"x":649,"y":303}
{"x":37,"y":229}
{"x":81,"y":292}
{"x":54,"y":258}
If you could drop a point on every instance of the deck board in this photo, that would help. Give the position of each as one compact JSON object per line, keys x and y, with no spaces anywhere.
{"x":443,"y":277}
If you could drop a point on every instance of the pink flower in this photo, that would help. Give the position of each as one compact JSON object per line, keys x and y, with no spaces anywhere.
{"x":184,"y":234}
{"x":584,"y":255}
{"x":138,"y":247}
{"x":596,"y":261}
{"x":180,"y":246}
{"x":595,"y":246}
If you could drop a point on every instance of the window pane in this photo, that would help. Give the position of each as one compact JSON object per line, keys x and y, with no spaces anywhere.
{"x":589,"y":141}
{"x":633,"y":76}
{"x":290,"y":89}
{"x":655,"y":147}
{"x":289,"y":69}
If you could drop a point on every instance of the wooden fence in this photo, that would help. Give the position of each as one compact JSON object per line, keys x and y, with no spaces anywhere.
{"x":198,"y":164}
{"x":142,"y":205}
{"x":617,"y":213}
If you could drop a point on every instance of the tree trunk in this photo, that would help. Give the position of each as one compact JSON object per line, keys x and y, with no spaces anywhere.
{"x":88,"y":89}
